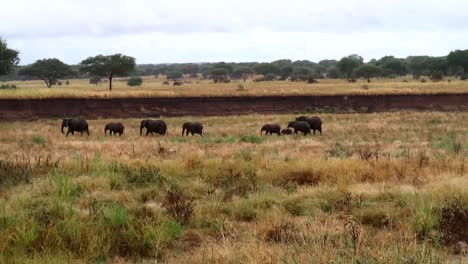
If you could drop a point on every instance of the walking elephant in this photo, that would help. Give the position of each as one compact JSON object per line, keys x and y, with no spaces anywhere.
{"x":114,"y":128}
{"x":300,"y":126}
{"x":192,"y":128}
{"x":153,"y":126}
{"x":271,"y":129}
{"x":74,"y":124}
{"x":315,"y":122}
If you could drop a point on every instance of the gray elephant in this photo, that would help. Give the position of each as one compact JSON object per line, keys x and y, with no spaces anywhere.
{"x":315,"y":122}
{"x":74,"y":124}
{"x":271,"y":129}
{"x":286,"y":131}
{"x":153,"y":126}
{"x":192,"y":128}
{"x":300,"y":126}
{"x":114,"y":128}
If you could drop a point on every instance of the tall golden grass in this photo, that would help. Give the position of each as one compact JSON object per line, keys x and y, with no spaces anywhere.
{"x":370,"y":190}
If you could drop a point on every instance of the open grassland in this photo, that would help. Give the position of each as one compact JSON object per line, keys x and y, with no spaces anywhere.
{"x":375,"y":188}
{"x":153,"y":87}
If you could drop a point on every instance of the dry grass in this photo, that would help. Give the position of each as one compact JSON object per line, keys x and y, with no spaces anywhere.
{"x":153,"y":87}
{"x":239,"y":199}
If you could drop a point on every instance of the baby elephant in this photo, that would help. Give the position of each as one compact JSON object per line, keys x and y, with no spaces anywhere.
{"x":286,"y":131}
{"x":192,"y":128}
{"x":114,"y":128}
{"x":271,"y":129}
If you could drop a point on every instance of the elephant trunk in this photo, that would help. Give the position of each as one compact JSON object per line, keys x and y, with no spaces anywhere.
{"x":105,"y":130}
{"x":183,"y":130}
{"x":141,"y":128}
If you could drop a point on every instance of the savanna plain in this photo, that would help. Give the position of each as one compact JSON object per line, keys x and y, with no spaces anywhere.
{"x":154,"y":87}
{"x":374,"y":188}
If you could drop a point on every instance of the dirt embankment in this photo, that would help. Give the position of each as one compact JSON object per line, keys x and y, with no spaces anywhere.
{"x":26,"y":109}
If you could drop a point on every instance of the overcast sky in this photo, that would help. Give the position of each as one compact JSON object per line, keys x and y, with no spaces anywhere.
{"x":156,"y":31}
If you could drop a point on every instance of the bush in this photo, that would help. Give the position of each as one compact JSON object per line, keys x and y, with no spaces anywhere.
{"x":454,"y":222}
{"x":38,"y":140}
{"x":95,"y":80}
{"x":464,"y":77}
{"x":179,"y":206}
{"x":437,"y":76}
{"x":270,"y":77}
{"x":254,"y":139}
{"x":142,"y":175}
{"x":135,"y":81}
{"x":8,"y":86}
{"x":261,"y":79}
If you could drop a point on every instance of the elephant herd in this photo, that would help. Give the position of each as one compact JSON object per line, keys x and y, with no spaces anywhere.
{"x":152,"y":127}
{"x":302,"y":124}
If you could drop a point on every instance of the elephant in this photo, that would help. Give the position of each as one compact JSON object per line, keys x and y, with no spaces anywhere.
{"x":315,"y":122}
{"x":192,"y":128}
{"x":114,"y":128}
{"x":300,"y":126}
{"x":271,"y":129}
{"x":153,"y":126}
{"x":286,"y":131}
{"x":177,"y":83}
{"x":74,"y":124}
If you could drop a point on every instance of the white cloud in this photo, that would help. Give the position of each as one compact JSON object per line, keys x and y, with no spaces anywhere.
{"x":243,"y":30}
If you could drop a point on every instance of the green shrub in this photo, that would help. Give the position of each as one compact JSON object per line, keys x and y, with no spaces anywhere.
{"x":254,"y":139}
{"x":135,"y":81}
{"x":117,"y":216}
{"x":270,"y":77}
{"x":425,"y":219}
{"x":8,"y":86}
{"x":38,"y":140}
{"x":142,"y":175}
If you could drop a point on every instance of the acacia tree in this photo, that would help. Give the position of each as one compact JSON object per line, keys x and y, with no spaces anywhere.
{"x":219,"y":75}
{"x":348,"y":64}
{"x":108,"y":66}
{"x":8,"y":58}
{"x":459,"y":58}
{"x":242,"y":72}
{"x":48,"y":70}
{"x":367,"y":71}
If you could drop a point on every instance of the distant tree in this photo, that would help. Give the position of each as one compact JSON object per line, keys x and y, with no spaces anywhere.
{"x":285,"y":72}
{"x":266,"y":68}
{"x":95,"y":80}
{"x":191,"y":69}
{"x":328,"y":63}
{"x":222,"y":65}
{"x":417,"y":65}
{"x":174,"y":75}
{"x":334,"y":73}
{"x":9,"y":58}
{"x":301,"y":74}
{"x":436,"y":67}
{"x":108,"y":66}
{"x":48,"y":70}
{"x":219,"y":75}
{"x":348,"y":64}
{"x":135,"y":81}
{"x":367,"y":71}
{"x":392,"y":66}
{"x":270,"y":77}
{"x":459,"y":58}
{"x":242,"y":72}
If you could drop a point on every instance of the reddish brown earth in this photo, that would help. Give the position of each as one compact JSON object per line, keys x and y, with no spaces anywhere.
{"x":28,"y":109}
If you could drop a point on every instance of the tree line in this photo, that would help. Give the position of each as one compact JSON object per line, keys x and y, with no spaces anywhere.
{"x":349,"y":68}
